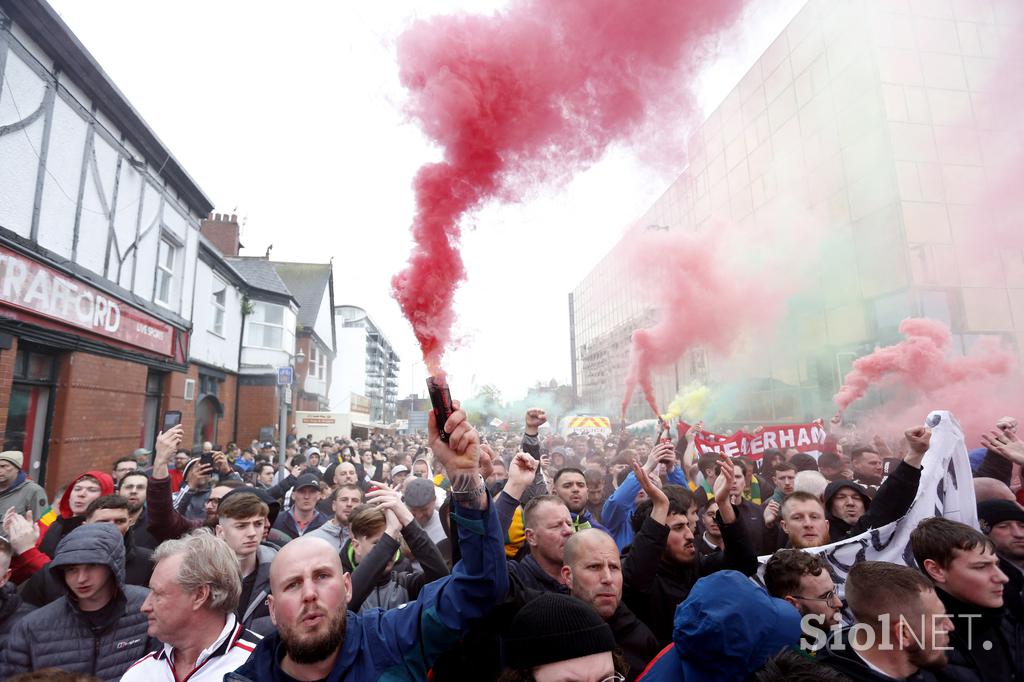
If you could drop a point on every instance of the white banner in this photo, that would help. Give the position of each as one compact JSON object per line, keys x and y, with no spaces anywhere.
{"x":946,"y":489}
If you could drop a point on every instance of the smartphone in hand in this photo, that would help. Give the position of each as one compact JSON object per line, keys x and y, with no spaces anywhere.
{"x":171,"y":419}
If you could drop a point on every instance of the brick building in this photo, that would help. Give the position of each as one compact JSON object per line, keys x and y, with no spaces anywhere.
{"x":120,"y":294}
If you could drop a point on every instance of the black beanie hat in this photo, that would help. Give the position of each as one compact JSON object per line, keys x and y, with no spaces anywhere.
{"x":555,"y":627}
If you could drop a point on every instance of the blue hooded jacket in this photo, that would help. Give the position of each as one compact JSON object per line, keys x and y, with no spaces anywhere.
{"x":619,"y":507}
{"x":402,"y":644}
{"x":727,"y":628}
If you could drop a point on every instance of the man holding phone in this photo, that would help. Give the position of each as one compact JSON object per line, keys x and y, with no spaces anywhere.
{"x":165,"y":522}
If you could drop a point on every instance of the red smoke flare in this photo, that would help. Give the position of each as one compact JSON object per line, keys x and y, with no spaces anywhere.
{"x":528,"y":95}
{"x":920,"y":362}
{"x":978,"y":389}
{"x":705,"y":295}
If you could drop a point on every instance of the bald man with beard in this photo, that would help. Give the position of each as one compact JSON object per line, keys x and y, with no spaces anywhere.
{"x":318,"y":637}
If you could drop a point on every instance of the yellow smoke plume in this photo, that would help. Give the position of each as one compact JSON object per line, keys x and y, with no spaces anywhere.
{"x":689,"y":404}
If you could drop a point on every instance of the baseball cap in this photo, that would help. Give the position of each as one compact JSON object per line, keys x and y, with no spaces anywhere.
{"x":142,"y":452}
{"x":419,"y":492}
{"x":267,"y":445}
{"x":307,"y":480}
{"x":400,"y":469}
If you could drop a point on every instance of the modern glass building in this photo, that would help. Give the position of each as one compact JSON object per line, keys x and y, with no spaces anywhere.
{"x":881,"y":119}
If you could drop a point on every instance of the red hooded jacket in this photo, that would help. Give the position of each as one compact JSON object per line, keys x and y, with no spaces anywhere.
{"x":32,"y":560}
{"x":106,"y":488}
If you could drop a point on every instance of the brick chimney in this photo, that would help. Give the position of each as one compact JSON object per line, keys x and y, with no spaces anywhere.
{"x":222,"y":230}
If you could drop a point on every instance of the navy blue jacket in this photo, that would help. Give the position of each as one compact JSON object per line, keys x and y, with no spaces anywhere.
{"x":285,"y":523}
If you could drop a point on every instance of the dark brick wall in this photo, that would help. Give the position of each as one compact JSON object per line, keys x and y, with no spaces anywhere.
{"x":6,"y":376}
{"x":98,"y":415}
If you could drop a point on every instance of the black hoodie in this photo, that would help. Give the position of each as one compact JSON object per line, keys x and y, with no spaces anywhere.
{"x":891,"y":502}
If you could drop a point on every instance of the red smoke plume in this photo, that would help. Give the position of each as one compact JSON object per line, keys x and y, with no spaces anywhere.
{"x":920,"y":362}
{"x":978,"y":388}
{"x":705,"y":297}
{"x":532,"y":94}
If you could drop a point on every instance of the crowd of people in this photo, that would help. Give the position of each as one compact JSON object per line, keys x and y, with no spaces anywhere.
{"x":515,"y":557}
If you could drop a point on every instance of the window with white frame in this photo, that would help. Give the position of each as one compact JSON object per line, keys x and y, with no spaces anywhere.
{"x":317,"y":363}
{"x":313,"y":352}
{"x":219,"y":300}
{"x":266,"y":326}
{"x":166,"y":261}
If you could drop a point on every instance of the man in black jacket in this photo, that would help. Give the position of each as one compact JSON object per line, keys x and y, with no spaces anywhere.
{"x":593,"y":573}
{"x":963,"y":565}
{"x":381,"y":576}
{"x":548,"y":528}
{"x":548,"y":525}
{"x":1003,"y":522}
{"x":12,"y":608}
{"x":662,"y":564}
{"x":303,"y":516}
{"x":851,"y":510}
{"x":904,"y":630}
{"x":132,"y":487}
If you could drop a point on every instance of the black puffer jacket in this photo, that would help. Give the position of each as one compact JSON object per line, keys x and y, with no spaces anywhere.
{"x":58,"y":635}
{"x":12,"y":609}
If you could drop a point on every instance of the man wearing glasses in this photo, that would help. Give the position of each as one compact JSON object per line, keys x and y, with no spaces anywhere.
{"x":802,"y":579}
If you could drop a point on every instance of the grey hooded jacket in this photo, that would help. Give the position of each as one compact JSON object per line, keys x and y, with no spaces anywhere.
{"x":58,"y":635}
{"x":255,"y":614}
{"x":24,"y":495}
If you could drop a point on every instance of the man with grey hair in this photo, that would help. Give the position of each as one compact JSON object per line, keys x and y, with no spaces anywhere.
{"x":195,"y":590}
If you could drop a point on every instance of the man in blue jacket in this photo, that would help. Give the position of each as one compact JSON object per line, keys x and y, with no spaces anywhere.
{"x":619,"y":507}
{"x":319,"y":639}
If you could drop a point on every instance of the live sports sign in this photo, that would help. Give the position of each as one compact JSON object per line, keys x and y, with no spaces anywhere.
{"x":40,"y":290}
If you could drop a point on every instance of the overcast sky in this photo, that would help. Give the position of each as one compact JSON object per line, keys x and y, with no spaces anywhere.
{"x":289,"y":115}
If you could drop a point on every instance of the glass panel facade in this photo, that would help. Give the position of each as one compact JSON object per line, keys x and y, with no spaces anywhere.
{"x":864,"y":114}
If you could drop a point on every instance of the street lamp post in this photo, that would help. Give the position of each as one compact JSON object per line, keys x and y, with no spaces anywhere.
{"x":283,"y":420}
